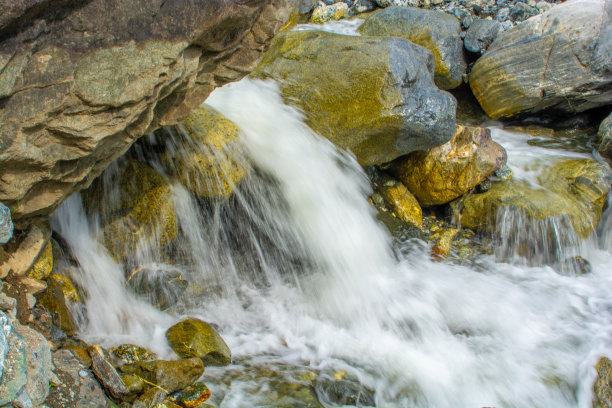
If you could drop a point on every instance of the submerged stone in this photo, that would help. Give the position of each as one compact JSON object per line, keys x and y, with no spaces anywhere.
{"x":443,"y":173}
{"x":171,"y":376}
{"x":435,"y":30}
{"x":160,"y":284}
{"x":196,"y":338}
{"x":210,"y":160}
{"x":371,"y":95}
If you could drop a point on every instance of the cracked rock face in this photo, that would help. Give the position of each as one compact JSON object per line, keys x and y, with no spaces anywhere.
{"x":81,"y":81}
{"x":559,"y":62}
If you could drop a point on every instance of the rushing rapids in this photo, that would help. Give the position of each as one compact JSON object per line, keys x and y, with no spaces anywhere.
{"x":305,"y":284}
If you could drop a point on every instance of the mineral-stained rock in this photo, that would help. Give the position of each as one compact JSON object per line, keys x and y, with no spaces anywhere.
{"x":106,"y":374}
{"x":605,"y":137}
{"x":208,"y":157}
{"x":446,"y":172}
{"x":131,"y":353}
{"x":192,"y":396}
{"x":403,"y":204}
{"x":38,"y":357}
{"x":15,"y":373}
{"x":574,"y":189}
{"x":80,"y":81}
{"x":194,"y":338}
{"x":324,"y":13}
{"x":559,"y":62}
{"x":372,"y":95}
{"x":435,"y":30}
{"x":141,"y":208}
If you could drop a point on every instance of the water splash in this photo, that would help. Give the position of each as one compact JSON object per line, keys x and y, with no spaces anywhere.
{"x":300,"y":277}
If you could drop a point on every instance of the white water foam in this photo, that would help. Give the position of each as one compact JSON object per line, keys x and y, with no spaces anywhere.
{"x":419,"y":333}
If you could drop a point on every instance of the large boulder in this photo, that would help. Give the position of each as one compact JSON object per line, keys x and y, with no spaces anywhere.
{"x":135,"y":205}
{"x":559,"y":62}
{"x":81,"y":81}
{"x":571,"y":189}
{"x":605,"y":137}
{"x":441,"y":174}
{"x":437,"y":31}
{"x":373,"y":96}
{"x":208,"y":156}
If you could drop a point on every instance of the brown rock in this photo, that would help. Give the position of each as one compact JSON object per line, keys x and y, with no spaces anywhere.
{"x":29,"y":246}
{"x":403,"y":204}
{"x":170,"y":376}
{"x":446,"y":172}
{"x":80,"y":81}
{"x":43,"y":266}
{"x":61,"y":294}
{"x":106,"y":374}
{"x":195,"y":338}
{"x":603,"y":384}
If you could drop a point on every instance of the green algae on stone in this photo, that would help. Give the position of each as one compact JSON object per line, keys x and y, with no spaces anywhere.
{"x":211,"y":161}
{"x":437,"y":31}
{"x":61,"y":295}
{"x":169,"y":375}
{"x":603,"y":384}
{"x":573,"y":188}
{"x":43,"y":266}
{"x":371,"y":95}
{"x":143,"y":210}
{"x":195,"y":338}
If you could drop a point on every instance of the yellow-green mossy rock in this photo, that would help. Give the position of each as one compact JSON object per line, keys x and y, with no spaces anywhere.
{"x":603,"y":385}
{"x":445,"y":172}
{"x":196,"y":338}
{"x":141,"y":209}
{"x":211,"y":161}
{"x":574,"y":189}
{"x":374,"y":96}
{"x":60,"y":295}
{"x":558,"y":62}
{"x":403,"y":204}
{"x":437,"y":31}
{"x":171,"y":376}
{"x":131,"y":353}
{"x":43,"y":266}
{"x":324,"y":13}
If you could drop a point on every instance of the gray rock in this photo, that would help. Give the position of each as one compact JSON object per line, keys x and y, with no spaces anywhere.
{"x":6,"y":224}
{"x":15,"y":375}
{"x":398,"y":3}
{"x":385,"y":83}
{"x":38,"y":355}
{"x":481,"y":35}
{"x":80,"y":81}
{"x":605,"y":137}
{"x":502,"y":14}
{"x":437,"y":31}
{"x":521,"y":11}
{"x":71,"y":389}
{"x":106,"y":374}
{"x":559,"y":62}
{"x":363,"y":6}
{"x":5,"y":330}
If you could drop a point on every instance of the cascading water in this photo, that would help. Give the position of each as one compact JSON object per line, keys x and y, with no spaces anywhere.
{"x":304,"y":283}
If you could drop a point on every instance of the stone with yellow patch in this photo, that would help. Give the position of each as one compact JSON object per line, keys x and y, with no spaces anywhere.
{"x":59,"y":298}
{"x":403,"y":204}
{"x":43,"y":266}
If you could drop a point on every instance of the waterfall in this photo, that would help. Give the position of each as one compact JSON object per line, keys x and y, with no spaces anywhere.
{"x":299,"y":276}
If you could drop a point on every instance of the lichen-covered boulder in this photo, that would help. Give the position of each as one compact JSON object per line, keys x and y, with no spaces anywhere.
{"x":81,"y":81}
{"x":371,"y":95}
{"x":323,"y":13}
{"x":195,"y":338}
{"x":402,"y":203}
{"x":139,"y":207}
{"x":481,"y":35}
{"x":559,"y":62}
{"x":573,"y":189}
{"x":603,"y":384}
{"x":131,"y":353}
{"x":437,"y":31}
{"x":38,"y":357}
{"x":208,"y":157}
{"x":43,"y":266}
{"x":15,"y":373}
{"x":605,"y":137}
{"x":6,"y":224}
{"x":60,"y":297}
{"x":445,"y":172}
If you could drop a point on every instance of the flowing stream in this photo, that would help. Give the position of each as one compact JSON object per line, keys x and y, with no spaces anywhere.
{"x":304,"y":283}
